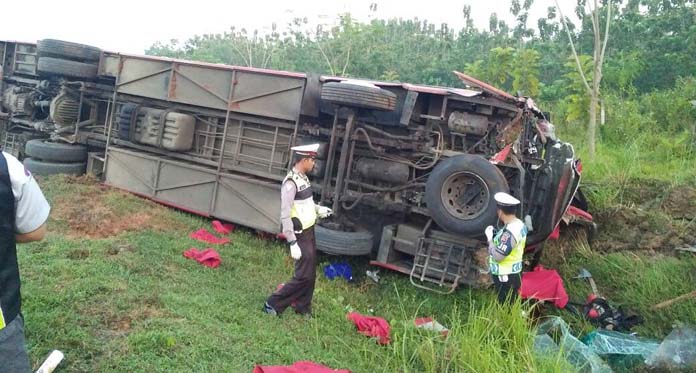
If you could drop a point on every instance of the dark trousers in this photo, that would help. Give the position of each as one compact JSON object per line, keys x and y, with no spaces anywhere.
{"x":507,"y":291}
{"x":13,"y":353}
{"x":300,"y":288}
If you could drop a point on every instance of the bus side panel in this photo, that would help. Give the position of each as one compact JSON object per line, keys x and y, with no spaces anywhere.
{"x":197,"y":189}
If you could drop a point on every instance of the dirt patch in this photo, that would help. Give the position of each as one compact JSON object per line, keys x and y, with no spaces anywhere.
{"x":646,"y":193}
{"x":117,"y":323}
{"x":122,"y":323}
{"x":97,"y":211}
{"x":680,"y":203}
{"x":649,"y":215}
{"x":626,"y":228}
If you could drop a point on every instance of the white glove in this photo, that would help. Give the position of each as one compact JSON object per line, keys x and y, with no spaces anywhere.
{"x":295,"y":251}
{"x":489,"y":232}
{"x":323,"y":212}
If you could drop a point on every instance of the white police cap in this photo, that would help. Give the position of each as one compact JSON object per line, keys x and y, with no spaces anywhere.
{"x":306,"y":150}
{"x":504,"y":199}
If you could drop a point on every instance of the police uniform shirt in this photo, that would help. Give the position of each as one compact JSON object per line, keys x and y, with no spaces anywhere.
{"x":31,"y":207}
{"x":505,"y":245}
{"x":287,"y":196}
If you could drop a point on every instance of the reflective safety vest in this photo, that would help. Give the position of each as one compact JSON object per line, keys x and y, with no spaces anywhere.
{"x":303,"y":210}
{"x":9,"y":270}
{"x":513,"y":262}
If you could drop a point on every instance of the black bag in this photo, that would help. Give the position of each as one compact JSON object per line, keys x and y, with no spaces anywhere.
{"x":600,"y":313}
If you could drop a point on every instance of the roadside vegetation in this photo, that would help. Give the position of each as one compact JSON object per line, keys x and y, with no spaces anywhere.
{"x":110,"y":287}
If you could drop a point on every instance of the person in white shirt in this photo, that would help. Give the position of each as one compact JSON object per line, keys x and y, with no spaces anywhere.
{"x":23,"y":214}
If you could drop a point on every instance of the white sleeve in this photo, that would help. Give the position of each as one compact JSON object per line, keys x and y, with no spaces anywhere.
{"x":31,"y":207}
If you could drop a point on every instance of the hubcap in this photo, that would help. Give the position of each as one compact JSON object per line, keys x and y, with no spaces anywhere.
{"x":465,"y":195}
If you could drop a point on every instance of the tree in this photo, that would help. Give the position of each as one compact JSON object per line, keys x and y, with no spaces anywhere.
{"x":525,"y":73}
{"x":521,"y":13}
{"x":599,"y":48}
{"x":576,"y":99}
{"x":499,"y":66}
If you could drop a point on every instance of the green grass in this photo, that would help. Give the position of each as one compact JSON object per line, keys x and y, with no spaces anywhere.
{"x":669,"y":159}
{"x":634,"y":280}
{"x":133,"y":303}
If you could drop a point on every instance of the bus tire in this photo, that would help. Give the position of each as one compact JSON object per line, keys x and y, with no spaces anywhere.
{"x":353,"y":95}
{"x":459,"y":194}
{"x":73,"y":69}
{"x":55,"y":151}
{"x":43,"y":168}
{"x":67,"y":50}
{"x":335,"y":242}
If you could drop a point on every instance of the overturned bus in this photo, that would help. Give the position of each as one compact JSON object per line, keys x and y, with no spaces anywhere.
{"x":409,"y":170}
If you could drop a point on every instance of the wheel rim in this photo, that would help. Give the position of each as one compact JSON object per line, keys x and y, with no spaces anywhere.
{"x":465,"y":195}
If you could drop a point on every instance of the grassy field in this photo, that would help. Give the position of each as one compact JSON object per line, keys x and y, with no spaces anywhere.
{"x":110,"y":287}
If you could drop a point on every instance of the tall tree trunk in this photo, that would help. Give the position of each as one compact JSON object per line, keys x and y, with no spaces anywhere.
{"x":592,"y":124}
{"x":597,"y":61}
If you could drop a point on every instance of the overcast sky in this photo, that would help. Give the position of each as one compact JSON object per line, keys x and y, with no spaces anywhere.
{"x":130,"y":26}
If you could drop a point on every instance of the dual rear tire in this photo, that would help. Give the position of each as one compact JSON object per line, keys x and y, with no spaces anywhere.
{"x":51,"y":158}
{"x":64,"y":58}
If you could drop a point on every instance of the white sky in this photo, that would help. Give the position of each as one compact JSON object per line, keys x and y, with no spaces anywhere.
{"x":131,"y":26}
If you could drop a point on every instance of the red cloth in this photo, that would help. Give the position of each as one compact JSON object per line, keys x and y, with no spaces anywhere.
{"x":222,"y":228}
{"x":544,"y":284}
{"x":298,"y":367}
{"x":371,"y":326}
{"x":205,"y":236}
{"x":208,"y":257}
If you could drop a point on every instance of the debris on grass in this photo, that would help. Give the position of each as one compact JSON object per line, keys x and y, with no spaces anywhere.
{"x":553,"y":335}
{"x":207,"y":237}
{"x":428,"y":323}
{"x":373,"y":275}
{"x":544,"y":285}
{"x":371,"y":326}
{"x":341,"y":269}
{"x":298,"y":367}
{"x":222,"y":228}
{"x":208,"y":257}
{"x":676,"y":351}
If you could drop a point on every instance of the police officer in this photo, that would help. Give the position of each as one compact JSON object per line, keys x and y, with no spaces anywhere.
{"x":505,"y":249}
{"x":298,"y":214}
{"x":23,"y":214}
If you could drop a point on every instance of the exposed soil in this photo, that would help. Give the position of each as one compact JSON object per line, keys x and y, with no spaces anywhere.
{"x":98,"y":211}
{"x":681,"y":203}
{"x":637,"y":229}
{"x":655,"y":217}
